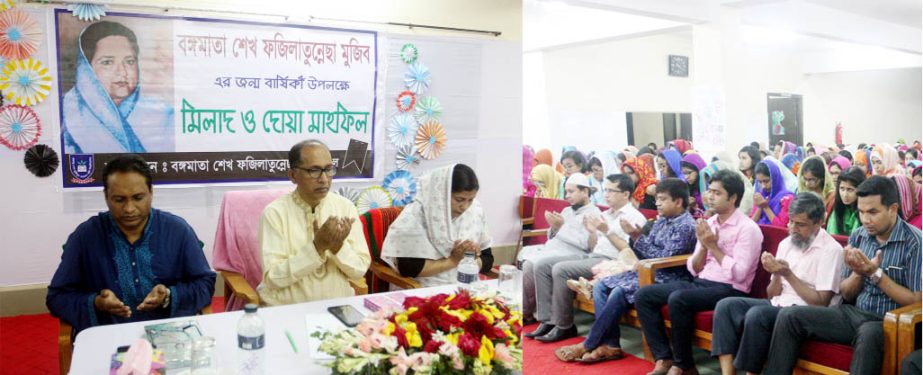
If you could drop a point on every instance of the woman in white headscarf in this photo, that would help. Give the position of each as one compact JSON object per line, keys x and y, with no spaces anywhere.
{"x":432,"y":234}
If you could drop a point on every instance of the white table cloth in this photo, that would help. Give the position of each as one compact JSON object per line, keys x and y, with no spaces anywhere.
{"x":94,"y":347}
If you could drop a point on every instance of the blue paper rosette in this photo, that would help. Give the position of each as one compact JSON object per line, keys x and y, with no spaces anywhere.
{"x":417,"y":78}
{"x":373,"y":197}
{"x":407,"y":157}
{"x":87,"y":12}
{"x":401,"y":186}
{"x":402,"y":130}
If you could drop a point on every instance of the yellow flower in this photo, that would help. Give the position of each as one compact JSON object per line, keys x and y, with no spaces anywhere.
{"x":389,"y":329}
{"x":460,"y":314}
{"x":413,"y":336}
{"x":511,"y":335}
{"x":486,"y":353}
{"x":453,"y":338}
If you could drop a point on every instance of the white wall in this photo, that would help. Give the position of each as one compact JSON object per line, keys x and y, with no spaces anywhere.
{"x":875,"y":105}
{"x":38,"y":216}
{"x":579,"y":95}
{"x":630,"y":75}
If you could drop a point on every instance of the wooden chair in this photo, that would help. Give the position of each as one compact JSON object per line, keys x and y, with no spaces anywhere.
{"x":375,"y":224}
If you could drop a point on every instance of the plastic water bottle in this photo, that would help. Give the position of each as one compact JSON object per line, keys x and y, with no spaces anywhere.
{"x":468,"y":271}
{"x":251,"y":342}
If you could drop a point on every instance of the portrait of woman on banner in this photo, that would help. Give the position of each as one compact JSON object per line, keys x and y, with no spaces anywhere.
{"x":106,"y":111}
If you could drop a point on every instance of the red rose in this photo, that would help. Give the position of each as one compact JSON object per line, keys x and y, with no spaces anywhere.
{"x":469,"y":345}
{"x":401,"y":336}
{"x":461,"y":301}
{"x":413,"y":302}
{"x":477,"y":325}
{"x":432,"y":346}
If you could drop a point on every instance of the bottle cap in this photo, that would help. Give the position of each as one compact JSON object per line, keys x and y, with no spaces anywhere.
{"x":250,"y":308}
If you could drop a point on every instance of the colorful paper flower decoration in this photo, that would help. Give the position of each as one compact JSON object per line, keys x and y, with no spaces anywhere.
{"x":401,"y":186}
{"x":349,"y":193}
{"x":373,"y":197}
{"x":20,"y":35}
{"x":402,"y":130}
{"x":417,"y":78}
{"x":87,"y":12}
{"x":25,"y":82}
{"x":430,"y":140}
{"x":405,"y":101}
{"x":409,"y":53}
{"x":7,"y":4}
{"x":428,"y":109}
{"x":407,"y":157}
{"x":41,"y":160}
{"x":19,"y":127}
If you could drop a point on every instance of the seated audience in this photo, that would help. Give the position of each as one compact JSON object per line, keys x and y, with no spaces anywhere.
{"x":568,"y":239}
{"x":672,"y":234}
{"x":909,"y":193}
{"x":723,"y":265}
{"x":805,"y":271}
{"x":885,"y":161}
{"x":641,"y":171}
{"x":546,"y":180}
{"x":692,"y":167}
{"x":597,"y":180}
{"x":815,"y":178}
{"x":837,"y":166}
{"x":882,"y":273}
{"x":749,"y":157}
{"x":771,"y":200}
{"x":844,"y":218}
{"x":669,"y":164}
{"x":574,"y":162}
{"x":554,"y":299}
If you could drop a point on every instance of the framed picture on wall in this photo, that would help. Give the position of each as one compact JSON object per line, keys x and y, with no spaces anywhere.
{"x":785,"y":118}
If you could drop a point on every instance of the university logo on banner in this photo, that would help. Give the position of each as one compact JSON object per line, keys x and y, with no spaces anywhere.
{"x":81,"y":167}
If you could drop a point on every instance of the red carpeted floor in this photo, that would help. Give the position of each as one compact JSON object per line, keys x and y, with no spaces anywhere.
{"x":538,"y":358}
{"x":29,"y":343}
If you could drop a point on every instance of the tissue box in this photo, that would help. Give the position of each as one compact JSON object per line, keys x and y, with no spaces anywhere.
{"x":158,"y":363}
{"x":390,"y":301}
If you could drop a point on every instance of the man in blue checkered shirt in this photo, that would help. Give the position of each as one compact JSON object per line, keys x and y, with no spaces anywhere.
{"x":882,"y":273}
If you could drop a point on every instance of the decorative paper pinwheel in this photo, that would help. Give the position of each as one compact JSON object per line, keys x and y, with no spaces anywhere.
{"x":409,"y":53}
{"x":87,"y":11}
{"x":402,"y":187}
{"x":430,"y":140}
{"x":407,"y":157}
{"x":20,"y":35}
{"x":402,"y":130}
{"x":417,"y":78}
{"x":406,"y":101}
{"x":428,"y":109}
{"x":41,"y":160}
{"x":19,"y":127}
{"x":349,"y":193}
{"x":373,"y":197}
{"x":25,"y":82}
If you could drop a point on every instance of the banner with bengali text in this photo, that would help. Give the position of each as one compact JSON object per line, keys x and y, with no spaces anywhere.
{"x":212,"y":101}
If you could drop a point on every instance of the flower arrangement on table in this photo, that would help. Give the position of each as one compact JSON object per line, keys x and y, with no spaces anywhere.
{"x":440,"y":334}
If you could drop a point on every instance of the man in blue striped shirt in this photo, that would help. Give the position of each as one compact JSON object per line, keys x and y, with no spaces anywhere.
{"x":882,"y":273}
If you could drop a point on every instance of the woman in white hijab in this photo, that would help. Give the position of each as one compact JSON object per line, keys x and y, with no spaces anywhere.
{"x":430,"y":237}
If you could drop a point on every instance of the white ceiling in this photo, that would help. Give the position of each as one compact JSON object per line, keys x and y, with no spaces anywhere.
{"x":869,"y":34}
{"x":556,"y":23}
{"x":901,"y":12}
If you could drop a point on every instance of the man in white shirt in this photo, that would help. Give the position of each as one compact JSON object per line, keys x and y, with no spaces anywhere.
{"x":806,"y":270}
{"x":311,"y":242}
{"x":554,"y":300}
